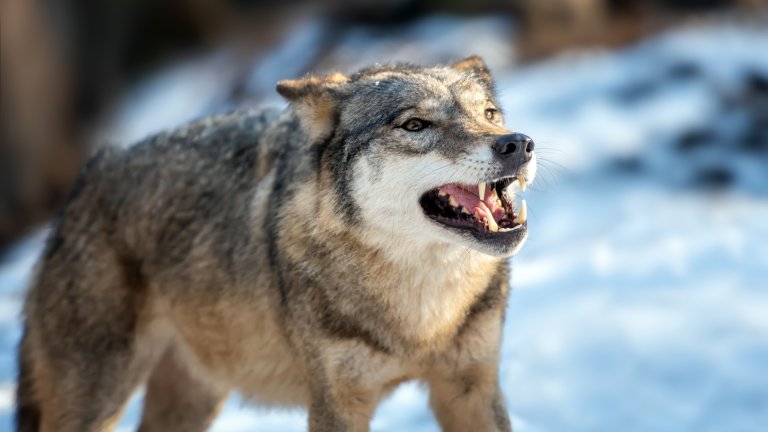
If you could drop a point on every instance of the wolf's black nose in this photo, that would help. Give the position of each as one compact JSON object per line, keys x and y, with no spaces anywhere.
{"x":507,"y":145}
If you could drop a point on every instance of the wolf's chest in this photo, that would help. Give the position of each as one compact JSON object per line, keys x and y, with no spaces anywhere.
{"x":431,"y":304}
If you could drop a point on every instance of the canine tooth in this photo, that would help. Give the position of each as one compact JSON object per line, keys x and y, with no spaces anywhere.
{"x":481,"y":190}
{"x":452,"y":201}
{"x":522,"y":183}
{"x":522,"y":215}
{"x":492,"y":225}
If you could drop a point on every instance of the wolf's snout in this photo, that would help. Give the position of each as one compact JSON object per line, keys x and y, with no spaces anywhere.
{"x":515,"y":145}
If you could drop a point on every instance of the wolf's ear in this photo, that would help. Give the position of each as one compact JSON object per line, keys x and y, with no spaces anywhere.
{"x":475,"y":65}
{"x":315,"y":100}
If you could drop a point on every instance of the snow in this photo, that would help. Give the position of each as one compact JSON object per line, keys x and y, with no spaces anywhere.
{"x":640,"y":299}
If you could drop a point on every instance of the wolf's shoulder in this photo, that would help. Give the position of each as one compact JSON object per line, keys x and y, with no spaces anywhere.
{"x":215,"y":155}
{"x":227,"y":143}
{"x":216,"y":132}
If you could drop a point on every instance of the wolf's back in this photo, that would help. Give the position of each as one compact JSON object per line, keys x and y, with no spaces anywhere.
{"x":27,"y":416}
{"x":149,"y":203}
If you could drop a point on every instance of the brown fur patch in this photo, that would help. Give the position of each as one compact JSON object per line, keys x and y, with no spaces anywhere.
{"x":475,"y":65}
{"x":315,"y":100}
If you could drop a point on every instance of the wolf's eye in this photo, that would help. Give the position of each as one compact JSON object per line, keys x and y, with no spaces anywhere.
{"x":491,"y":114}
{"x":414,"y":125}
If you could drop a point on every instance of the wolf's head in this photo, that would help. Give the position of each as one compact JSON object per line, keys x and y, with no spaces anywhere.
{"x":418,"y":154}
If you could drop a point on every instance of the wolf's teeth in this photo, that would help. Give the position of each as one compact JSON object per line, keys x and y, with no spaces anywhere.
{"x":522,"y":183}
{"x":505,"y":229}
{"x":452,"y":201}
{"x":492,"y":225}
{"x":522,"y":214}
{"x":441,"y":193}
{"x":464,"y":210}
{"x":495,"y":196}
{"x":481,"y":191}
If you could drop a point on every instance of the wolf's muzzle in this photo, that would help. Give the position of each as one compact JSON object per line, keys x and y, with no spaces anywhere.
{"x":514,"y":149}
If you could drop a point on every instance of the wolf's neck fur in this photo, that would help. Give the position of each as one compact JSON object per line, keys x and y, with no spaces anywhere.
{"x":434,"y":285}
{"x":423,"y":289}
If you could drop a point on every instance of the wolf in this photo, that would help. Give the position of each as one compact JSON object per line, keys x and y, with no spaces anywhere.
{"x":316,"y":256}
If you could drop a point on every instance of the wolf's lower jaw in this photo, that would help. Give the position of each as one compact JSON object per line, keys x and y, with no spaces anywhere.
{"x":485,"y":209}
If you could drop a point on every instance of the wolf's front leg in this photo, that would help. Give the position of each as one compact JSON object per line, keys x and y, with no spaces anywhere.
{"x":342,"y":410}
{"x":464,"y":383}
{"x":469,"y":401}
{"x":347,"y":380}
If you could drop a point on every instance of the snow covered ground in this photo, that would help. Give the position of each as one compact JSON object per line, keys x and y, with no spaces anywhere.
{"x":640,"y":301}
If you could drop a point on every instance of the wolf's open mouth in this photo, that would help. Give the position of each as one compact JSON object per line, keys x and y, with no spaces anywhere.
{"x":487,"y":207}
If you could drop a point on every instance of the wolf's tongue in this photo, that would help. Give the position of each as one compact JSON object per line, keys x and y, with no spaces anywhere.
{"x":470,"y":199}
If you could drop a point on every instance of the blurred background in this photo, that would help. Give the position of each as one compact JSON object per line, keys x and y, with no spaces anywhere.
{"x":640,"y":302}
